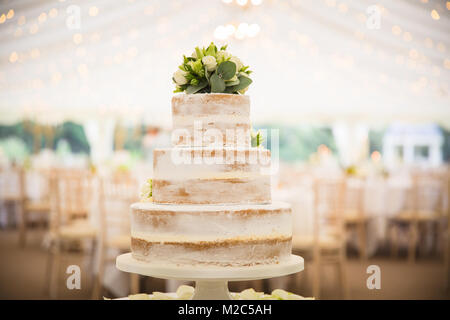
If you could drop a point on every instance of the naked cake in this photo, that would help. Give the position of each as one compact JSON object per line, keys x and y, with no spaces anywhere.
{"x":209,"y":201}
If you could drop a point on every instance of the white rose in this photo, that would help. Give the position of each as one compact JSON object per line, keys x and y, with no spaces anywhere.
{"x":238,"y":62}
{"x":210,"y":63}
{"x":179,"y":77}
{"x":222,"y":55}
{"x":185,"y":292}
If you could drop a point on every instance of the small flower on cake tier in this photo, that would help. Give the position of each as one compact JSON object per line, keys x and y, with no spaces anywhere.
{"x":209,"y":70}
{"x":146,"y":191}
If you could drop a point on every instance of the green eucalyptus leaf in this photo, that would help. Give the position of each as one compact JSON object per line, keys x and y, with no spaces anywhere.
{"x":232,"y":83}
{"x":226,"y":70}
{"x":244,"y":82}
{"x":193,"y":89}
{"x":217,"y":83}
{"x":206,"y":74}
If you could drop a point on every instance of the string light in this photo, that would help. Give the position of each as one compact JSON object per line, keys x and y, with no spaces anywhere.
{"x":77,"y":38}
{"x":242,"y":31}
{"x":93,"y":11}
{"x":42,"y":17}
{"x":132,"y":52}
{"x":220,"y":33}
{"x":396,"y":30}
{"x":242,"y":2}
{"x":13,"y":57}
{"x":82,"y":69}
{"x":435,"y":15}
{"x":253,"y":30}
{"x":53,"y":13}
{"x":330,"y":3}
{"x":376,"y":156}
{"x":343,"y":7}
{"x":10,"y":14}
{"x":149,"y":10}
{"x":447,"y":63}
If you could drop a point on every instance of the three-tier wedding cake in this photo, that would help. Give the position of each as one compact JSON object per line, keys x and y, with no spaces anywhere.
{"x":211,"y":193}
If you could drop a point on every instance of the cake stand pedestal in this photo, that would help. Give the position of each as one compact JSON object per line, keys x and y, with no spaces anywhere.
{"x":211,"y":282}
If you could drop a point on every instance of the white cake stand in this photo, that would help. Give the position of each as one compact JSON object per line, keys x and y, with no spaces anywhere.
{"x":211,"y":282}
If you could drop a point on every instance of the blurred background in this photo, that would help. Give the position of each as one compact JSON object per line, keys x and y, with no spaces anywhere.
{"x":359,"y":91}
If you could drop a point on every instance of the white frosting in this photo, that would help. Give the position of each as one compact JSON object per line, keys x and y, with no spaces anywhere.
{"x":241,"y":254}
{"x":211,"y":104}
{"x":182,"y":164}
{"x":188,"y":120}
{"x":151,"y":237}
{"x":275,"y":205}
{"x":193,"y":223}
{"x":222,"y":117}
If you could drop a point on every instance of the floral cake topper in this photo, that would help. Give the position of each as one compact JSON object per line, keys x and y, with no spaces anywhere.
{"x":209,"y":70}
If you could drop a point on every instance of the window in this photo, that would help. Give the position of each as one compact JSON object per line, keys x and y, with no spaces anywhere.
{"x":398,"y":151}
{"x":421,"y":152}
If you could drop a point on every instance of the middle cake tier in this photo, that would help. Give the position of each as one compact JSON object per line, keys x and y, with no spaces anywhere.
{"x":211,"y":176}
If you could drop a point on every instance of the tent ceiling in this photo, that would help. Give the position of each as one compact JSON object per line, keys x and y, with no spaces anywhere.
{"x":313,"y":60}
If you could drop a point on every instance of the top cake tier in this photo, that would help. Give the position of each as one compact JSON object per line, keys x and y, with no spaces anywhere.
{"x":200,"y":120}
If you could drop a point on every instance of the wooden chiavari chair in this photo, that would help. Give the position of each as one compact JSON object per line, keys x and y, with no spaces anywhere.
{"x":31,"y":205}
{"x":117,"y":193}
{"x":327,"y":244}
{"x":70,"y":222}
{"x":12,"y":193}
{"x":446,"y":233}
{"x":423,"y":205}
{"x":354,"y":212}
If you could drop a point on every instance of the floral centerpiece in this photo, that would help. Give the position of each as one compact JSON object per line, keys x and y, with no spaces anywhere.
{"x":187,"y":292}
{"x":209,"y":70}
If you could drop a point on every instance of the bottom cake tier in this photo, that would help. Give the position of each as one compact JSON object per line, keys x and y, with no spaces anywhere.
{"x":224,"y":235}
